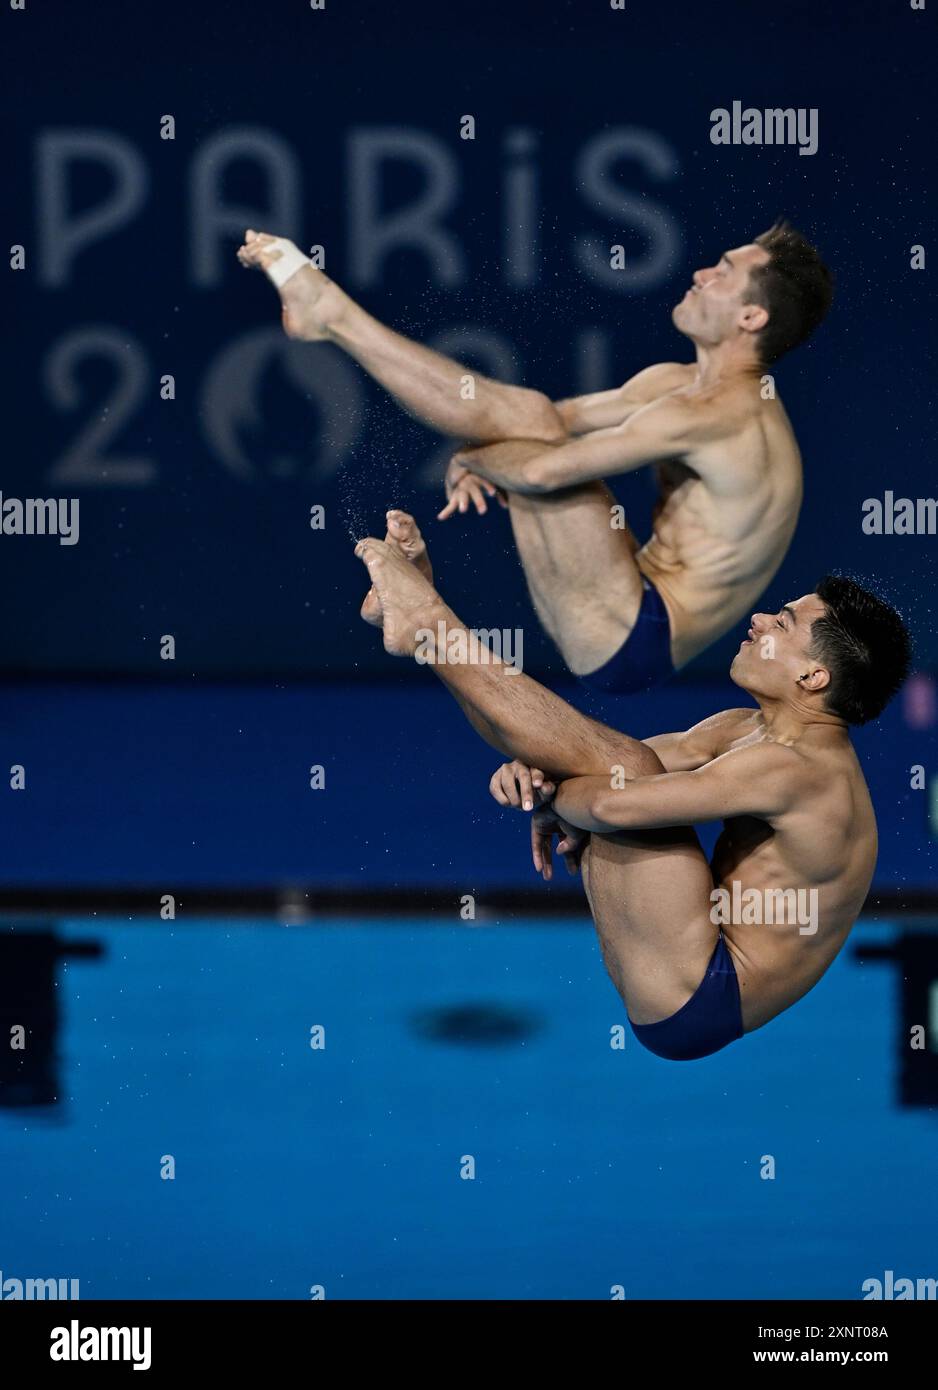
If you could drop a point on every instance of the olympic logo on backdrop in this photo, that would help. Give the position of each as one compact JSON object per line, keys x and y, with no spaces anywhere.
{"x":228,"y":395}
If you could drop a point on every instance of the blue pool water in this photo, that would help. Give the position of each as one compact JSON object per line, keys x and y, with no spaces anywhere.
{"x":340,"y":1166}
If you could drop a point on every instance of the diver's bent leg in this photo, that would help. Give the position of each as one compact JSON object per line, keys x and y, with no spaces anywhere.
{"x":580,"y":569}
{"x":649,"y":893}
{"x":424,"y":382}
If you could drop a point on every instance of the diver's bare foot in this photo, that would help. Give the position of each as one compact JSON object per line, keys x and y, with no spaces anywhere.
{"x":409,"y":602}
{"x":310,"y":301}
{"x":403,"y":535}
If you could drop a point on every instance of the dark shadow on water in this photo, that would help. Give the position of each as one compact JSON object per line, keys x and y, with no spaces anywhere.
{"x":476,"y":1025}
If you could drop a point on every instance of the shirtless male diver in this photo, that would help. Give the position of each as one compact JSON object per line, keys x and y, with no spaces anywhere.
{"x":624,"y":616}
{"x":783,"y":778}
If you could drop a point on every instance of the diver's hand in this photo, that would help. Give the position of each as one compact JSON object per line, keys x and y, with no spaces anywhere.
{"x":571,"y":843}
{"x":516,"y":784}
{"x":465,"y":489}
{"x":529,"y":789}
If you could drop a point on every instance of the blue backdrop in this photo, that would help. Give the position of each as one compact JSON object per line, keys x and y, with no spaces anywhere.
{"x":341,"y":127}
{"x":145,"y":778}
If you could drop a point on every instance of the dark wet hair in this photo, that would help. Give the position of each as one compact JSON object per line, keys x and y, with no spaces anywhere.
{"x":864,"y":644}
{"x":794,"y":285}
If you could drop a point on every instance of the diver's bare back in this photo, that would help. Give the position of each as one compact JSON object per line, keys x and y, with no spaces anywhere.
{"x":718,"y":539}
{"x":825,"y":846}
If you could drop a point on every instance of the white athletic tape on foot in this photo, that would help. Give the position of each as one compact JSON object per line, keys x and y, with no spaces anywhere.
{"x":290,"y":260}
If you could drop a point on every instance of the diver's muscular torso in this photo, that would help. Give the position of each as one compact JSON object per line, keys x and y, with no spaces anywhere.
{"x":727,"y":509}
{"x":821,"y":854}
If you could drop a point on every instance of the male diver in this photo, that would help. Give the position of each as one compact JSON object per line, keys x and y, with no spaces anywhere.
{"x":624,"y":615}
{"x":700,"y":953}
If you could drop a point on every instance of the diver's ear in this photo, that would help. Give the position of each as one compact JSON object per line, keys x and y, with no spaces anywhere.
{"x":753,"y":318}
{"x":817,"y":679}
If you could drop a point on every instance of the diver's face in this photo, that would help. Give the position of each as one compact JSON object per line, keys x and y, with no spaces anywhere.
{"x":716,"y":304}
{"x":775,"y":655}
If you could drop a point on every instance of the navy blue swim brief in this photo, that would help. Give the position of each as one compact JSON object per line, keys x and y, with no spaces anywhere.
{"x":644,"y":659}
{"x":710,"y":1020}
